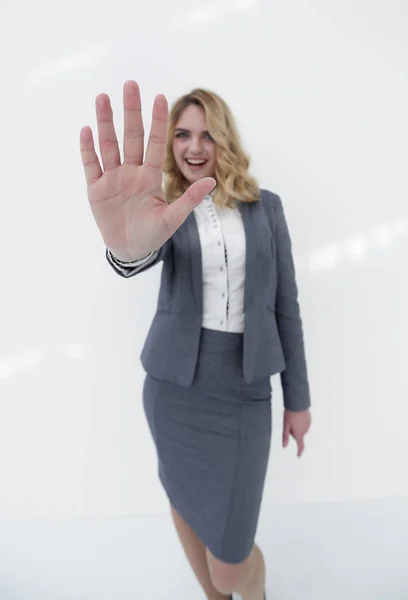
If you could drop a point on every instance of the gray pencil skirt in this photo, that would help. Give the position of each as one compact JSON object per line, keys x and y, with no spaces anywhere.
{"x":213,"y":442}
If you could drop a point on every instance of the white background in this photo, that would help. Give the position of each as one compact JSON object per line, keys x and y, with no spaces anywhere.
{"x":320,"y":93}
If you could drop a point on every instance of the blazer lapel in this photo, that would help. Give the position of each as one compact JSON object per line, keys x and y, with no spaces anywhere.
{"x":196,"y":261}
{"x":251,"y":246}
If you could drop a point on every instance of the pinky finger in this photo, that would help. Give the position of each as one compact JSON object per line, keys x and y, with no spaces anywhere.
{"x":90,"y":160}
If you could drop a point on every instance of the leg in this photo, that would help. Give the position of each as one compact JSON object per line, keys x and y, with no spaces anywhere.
{"x":196,"y":554}
{"x":246,"y":578}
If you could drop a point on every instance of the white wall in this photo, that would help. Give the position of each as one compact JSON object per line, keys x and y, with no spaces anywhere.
{"x":320,"y":92}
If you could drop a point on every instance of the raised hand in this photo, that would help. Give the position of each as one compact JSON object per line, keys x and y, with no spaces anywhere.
{"x":126,"y":196}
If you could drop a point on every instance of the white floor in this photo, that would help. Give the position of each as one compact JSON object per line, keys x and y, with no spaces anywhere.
{"x":313,"y":552}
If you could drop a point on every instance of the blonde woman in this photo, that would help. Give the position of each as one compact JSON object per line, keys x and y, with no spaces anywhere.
{"x":227,"y":318}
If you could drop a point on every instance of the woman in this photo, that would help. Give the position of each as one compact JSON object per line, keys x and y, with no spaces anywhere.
{"x":227,"y":318}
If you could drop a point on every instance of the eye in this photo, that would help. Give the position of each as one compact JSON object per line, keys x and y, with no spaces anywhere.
{"x":181,"y":134}
{"x":209,"y":137}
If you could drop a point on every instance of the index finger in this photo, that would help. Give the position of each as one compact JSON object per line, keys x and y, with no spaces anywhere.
{"x":301,"y":446}
{"x":156,"y":147}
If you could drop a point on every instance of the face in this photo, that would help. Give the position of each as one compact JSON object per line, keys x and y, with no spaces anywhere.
{"x":193,"y":147}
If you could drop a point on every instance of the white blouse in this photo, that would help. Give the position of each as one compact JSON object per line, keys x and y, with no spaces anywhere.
{"x":223,"y":251}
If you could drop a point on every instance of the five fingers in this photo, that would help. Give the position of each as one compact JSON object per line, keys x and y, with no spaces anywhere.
{"x":133,"y":139}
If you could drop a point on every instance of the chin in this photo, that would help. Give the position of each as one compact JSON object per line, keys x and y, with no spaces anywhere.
{"x":192,"y":178}
{"x":196,"y":177}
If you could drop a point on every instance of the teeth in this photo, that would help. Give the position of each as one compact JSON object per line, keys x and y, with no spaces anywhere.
{"x":195,"y":162}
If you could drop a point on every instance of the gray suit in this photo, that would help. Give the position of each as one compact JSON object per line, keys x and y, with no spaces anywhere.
{"x":273,"y":335}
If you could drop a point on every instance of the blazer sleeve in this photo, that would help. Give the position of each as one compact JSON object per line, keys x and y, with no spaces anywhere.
{"x":130,"y":269}
{"x":294,"y":378}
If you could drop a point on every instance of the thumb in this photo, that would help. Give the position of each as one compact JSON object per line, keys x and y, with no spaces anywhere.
{"x":286,"y":431}
{"x":178,"y":211}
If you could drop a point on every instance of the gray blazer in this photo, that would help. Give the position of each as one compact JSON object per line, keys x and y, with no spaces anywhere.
{"x":273,"y":336}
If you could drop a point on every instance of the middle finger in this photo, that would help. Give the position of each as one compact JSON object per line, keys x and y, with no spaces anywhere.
{"x":133,"y":142}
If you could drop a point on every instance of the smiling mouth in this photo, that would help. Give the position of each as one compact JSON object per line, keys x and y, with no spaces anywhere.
{"x":195,"y":163}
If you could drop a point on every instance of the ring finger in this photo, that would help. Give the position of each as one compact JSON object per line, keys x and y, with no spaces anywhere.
{"x":108,"y":141}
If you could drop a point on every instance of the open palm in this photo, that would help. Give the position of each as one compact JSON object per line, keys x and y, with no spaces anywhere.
{"x":126,"y":197}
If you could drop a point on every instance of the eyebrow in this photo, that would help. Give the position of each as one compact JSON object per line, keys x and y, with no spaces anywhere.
{"x":180,"y":129}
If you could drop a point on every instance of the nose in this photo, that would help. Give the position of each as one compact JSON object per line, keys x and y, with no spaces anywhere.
{"x":195,"y":144}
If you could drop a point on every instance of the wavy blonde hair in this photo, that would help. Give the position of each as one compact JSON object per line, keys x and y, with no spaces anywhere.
{"x":232,"y":162}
